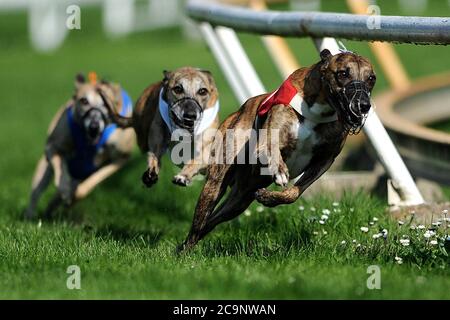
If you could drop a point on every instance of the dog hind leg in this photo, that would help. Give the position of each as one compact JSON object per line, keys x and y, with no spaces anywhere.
{"x":216,"y":184}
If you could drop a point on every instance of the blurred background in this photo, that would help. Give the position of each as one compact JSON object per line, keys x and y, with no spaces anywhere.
{"x":131,"y":42}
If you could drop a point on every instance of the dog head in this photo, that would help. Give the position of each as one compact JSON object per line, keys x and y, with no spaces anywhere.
{"x":349,"y":80}
{"x":90,"y":110}
{"x":188,"y":92}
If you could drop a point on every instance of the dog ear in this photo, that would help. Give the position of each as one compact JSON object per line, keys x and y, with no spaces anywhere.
{"x":325,"y":54}
{"x":167,"y":74}
{"x":209,"y":75}
{"x":79,"y":79}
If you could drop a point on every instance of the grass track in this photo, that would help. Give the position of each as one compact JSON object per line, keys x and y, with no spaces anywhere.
{"x":123,"y":236}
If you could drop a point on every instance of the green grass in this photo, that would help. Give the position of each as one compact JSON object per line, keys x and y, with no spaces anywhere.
{"x":124,"y":236}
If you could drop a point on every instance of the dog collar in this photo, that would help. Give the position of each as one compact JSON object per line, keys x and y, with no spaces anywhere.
{"x":287,"y":94}
{"x":209,"y":115}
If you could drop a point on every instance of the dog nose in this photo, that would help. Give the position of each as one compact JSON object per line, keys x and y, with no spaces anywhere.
{"x":190,"y":115}
{"x":365,"y":106}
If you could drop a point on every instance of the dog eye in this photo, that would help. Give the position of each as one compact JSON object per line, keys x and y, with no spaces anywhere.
{"x":178,"y":89}
{"x":202,"y":92}
{"x":84,"y":101}
{"x":342,"y":74}
{"x":372,"y":78}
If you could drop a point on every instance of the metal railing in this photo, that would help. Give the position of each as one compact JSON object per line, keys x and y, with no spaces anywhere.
{"x":417,"y":30}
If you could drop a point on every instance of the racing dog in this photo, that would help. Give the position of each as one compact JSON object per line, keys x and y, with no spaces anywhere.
{"x":185,"y":101}
{"x":84,"y":144}
{"x":308,"y":117}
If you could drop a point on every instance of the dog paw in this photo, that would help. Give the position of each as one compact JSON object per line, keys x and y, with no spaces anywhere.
{"x":264,"y":197}
{"x":149,"y":178}
{"x":281,"y":176}
{"x":67,"y":194}
{"x":181,"y":180}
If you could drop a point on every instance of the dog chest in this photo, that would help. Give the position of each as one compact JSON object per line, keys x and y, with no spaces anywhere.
{"x":306,"y":139}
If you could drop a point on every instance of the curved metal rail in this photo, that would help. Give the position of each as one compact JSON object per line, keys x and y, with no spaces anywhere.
{"x":405,"y":114}
{"x":417,"y":30}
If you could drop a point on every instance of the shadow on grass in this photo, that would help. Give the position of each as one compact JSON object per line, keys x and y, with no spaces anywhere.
{"x":123,"y":234}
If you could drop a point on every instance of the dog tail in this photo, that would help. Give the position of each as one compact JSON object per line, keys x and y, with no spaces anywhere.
{"x":121,"y":121}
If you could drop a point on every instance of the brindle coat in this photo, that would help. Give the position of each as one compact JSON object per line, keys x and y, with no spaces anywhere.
{"x":305,"y":147}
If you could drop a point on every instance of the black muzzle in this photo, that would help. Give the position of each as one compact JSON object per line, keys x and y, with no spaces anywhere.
{"x":94,"y":122}
{"x":353,"y":105}
{"x":186,"y":113}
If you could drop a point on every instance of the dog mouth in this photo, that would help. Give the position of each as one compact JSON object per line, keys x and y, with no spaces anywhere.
{"x":352,"y":103}
{"x":94,"y":124}
{"x":186,"y":114}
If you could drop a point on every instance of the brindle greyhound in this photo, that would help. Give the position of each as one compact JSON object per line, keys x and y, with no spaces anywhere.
{"x":84,"y":144}
{"x":311,"y":113}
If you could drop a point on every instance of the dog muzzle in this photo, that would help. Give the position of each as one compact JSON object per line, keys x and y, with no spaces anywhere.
{"x":353,"y":104}
{"x":94,"y":122}
{"x":186,"y":113}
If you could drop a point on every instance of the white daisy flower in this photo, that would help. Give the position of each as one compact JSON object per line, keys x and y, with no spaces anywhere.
{"x":301,"y":208}
{"x":324,"y":232}
{"x":375,"y":219}
{"x":429,"y":234}
{"x":433,"y":242}
{"x":315,"y":233}
{"x":335,"y":204}
{"x":352,"y":209}
{"x":326,"y":211}
{"x":421,"y":226}
{"x":436,"y":224}
{"x":324,"y":217}
{"x":413,"y":227}
{"x":364,"y":229}
{"x":398,"y":260}
{"x":247,"y":213}
{"x":321,"y":222}
{"x":384,"y":232}
{"x":312,"y":209}
{"x":377,"y":235}
{"x":371,"y":223}
{"x":343,"y":242}
{"x":354,"y":240}
{"x":259,"y":209}
{"x":400,"y":222}
{"x":404,"y":242}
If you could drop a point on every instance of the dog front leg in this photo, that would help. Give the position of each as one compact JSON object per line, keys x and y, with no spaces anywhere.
{"x":63,"y":181}
{"x":86,"y":187}
{"x":291,"y":194}
{"x":156,"y":147}
{"x":272,"y":139}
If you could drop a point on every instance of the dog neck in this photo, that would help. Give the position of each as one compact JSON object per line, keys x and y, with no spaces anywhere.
{"x":308,"y":82}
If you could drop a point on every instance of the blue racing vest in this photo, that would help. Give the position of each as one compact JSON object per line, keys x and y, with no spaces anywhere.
{"x":81,"y":165}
